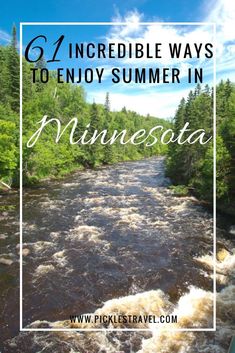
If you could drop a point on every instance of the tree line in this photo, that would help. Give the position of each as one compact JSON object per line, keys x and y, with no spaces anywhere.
{"x":62,"y":101}
{"x":192,"y":165}
{"x":189,"y":165}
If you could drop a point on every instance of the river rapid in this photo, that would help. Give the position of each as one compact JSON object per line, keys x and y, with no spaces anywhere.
{"x":114,"y":240}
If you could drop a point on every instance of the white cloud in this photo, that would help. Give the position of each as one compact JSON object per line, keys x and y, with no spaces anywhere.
{"x":161,"y":103}
{"x":148,"y":35}
{"x":4,"y":37}
{"x":144,"y":100}
{"x":223,"y":14}
{"x":132,"y":19}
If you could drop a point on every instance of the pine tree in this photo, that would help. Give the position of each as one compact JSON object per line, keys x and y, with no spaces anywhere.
{"x":198,"y":90}
{"x":14,"y":39}
{"x":95,"y":119}
{"x":107,"y":103}
{"x":14,"y":75}
{"x":4,"y":76}
{"x":108,"y":148}
{"x":227,"y":89}
{"x":94,"y":149}
{"x":41,"y":63}
{"x":207,"y":90}
{"x":180,"y":116}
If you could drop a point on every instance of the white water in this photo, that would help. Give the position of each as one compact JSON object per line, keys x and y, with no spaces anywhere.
{"x":140,"y":238}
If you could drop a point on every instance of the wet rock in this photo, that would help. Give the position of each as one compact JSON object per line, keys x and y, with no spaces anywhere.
{"x":5,"y":261}
{"x":25,"y":252}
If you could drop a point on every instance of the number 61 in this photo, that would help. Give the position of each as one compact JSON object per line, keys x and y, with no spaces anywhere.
{"x":41,"y":50}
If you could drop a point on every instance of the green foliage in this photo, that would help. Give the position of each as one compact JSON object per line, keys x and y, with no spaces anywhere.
{"x":179,"y":190}
{"x":63,"y":101}
{"x":66,"y":101}
{"x":7,"y":147}
{"x":8,"y":143}
{"x":192,"y":165}
{"x":187,"y":165}
{"x":7,"y":208}
{"x":14,"y":74}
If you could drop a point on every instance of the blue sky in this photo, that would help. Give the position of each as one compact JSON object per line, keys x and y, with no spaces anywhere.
{"x":159,"y":100}
{"x":91,"y":10}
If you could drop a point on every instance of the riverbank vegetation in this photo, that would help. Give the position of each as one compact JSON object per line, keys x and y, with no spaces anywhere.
{"x":63,"y":101}
{"x":192,"y":165}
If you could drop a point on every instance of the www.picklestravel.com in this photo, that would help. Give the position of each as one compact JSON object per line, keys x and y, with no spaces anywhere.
{"x":123,"y":319}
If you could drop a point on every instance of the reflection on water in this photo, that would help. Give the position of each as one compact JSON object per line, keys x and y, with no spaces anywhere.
{"x":115,"y":240}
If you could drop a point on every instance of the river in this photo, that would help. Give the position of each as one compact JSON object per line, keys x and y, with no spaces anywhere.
{"x":115,"y":239}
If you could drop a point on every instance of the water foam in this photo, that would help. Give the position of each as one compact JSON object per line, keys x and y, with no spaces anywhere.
{"x":225,"y":264}
{"x":43,"y":270}
{"x":85,"y":232}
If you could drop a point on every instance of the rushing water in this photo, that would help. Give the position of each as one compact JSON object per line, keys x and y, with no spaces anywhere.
{"x":114,"y":240}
